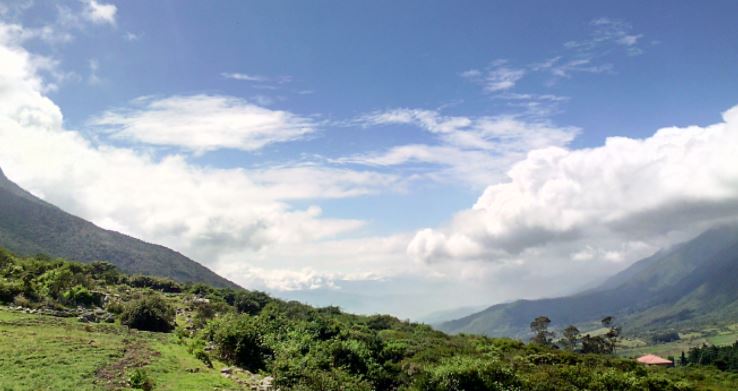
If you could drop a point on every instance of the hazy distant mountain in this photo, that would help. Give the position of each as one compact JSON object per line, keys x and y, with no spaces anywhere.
{"x":691,"y":283}
{"x":438,"y":317}
{"x":29,"y":225}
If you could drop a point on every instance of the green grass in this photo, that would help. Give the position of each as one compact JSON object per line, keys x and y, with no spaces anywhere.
{"x":47,"y":353}
{"x":40,"y":352}
{"x":712,"y":336}
{"x":176,"y":369}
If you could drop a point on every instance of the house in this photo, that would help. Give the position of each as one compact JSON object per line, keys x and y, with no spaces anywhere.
{"x":652,"y":359}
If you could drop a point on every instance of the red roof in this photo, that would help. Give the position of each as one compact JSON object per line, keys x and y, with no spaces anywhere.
{"x":651,"y":359}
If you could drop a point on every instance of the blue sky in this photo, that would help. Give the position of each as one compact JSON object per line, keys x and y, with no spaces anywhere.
{"x":292,"y":136}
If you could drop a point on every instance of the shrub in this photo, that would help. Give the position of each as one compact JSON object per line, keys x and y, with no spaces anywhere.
{"x":79,"y":295}
{"x":159,"y":284}
{"x":151,"y":313}
{"x":6,"y":258}
{"x":115,"y":307}
{"x":467,"y":373}
{"x":22,"y":301}
{"x":251,"y":302}
{"x":665,"y":337}
{"x":8,"y":291}
{"x":238,"y":341}
{"x":140,"y":380}
{"x":56,"y":281}
{"x":202,"y":356}
{"x":105,"y":271}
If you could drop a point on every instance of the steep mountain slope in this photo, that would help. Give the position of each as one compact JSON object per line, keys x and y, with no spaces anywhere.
{"x":693,"y":282}
{"x":28,"y":226}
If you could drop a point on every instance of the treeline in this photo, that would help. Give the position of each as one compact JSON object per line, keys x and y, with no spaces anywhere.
{"x":724,"y":358}
{"x":307,"y":348}
{"x":573,"y":340}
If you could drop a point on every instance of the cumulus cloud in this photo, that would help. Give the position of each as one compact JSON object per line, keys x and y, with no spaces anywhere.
{"x":100,"y":13}
{"x":638,"y":191}
{"x":203,"y":123}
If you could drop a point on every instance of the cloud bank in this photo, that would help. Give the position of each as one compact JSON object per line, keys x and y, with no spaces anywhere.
{"x":221,"y":217}
{"x":679,"y":180}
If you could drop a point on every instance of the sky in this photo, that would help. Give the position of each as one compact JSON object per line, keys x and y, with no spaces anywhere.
{"x":395,"y":157}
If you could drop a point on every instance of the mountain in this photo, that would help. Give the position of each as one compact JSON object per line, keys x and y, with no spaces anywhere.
{"x":437,"y":317}
{"x":29,"y":225}
{"x":691,"y":283}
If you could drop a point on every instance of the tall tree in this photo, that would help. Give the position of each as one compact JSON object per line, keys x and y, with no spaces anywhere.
{"x":571,"y":337}
{"x":611,"y":337}
{"x":539,"y":327}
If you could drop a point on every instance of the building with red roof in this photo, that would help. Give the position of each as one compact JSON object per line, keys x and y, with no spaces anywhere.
{"x":652,"y":359}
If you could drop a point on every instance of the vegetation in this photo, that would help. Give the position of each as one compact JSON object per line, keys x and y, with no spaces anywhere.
{"x":724,"y":358}
{"x":690,"y":285}
{"x":150,"y":313}
{"x":289,"y":345}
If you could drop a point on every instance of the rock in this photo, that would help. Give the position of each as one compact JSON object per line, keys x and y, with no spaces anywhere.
{"x":226,"y":370}
{"x":88,"y":317}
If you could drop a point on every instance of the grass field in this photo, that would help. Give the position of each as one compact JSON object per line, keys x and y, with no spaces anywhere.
{"x":714,"y":336}
{"x":46,"y":353}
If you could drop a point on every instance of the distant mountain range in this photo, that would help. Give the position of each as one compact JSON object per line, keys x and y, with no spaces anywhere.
{"x":438,"y":317}
{"x":693,"y":283}
{"x":29,"y":225}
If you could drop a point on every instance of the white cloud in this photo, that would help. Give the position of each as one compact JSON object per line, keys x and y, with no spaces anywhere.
{"x":475,"y":150}
{"x":638,"y":191}
{"x":129,"y":36}
{"x":94,"y":66}
{"x":100,"y":13}
{"x":218,"y":216}
{"x":258,"y":78}
{"x":243,"y":76}
{"x":498,"y":77}
{"x":203,"y":123}
{"x":607,"y":33}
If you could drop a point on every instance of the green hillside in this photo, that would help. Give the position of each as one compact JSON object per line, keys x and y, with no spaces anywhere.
{"x":31,"y":226}
{"x":690,"y":284}
{"x":72,"y":326}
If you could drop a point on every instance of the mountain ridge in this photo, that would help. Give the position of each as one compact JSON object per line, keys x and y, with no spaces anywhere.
{"x":667,"y":289}
{"x":30,"y":225}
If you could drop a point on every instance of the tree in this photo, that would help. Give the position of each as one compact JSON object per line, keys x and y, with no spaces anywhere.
{"x":571,"y":337}
{"x":611,"y":337}
{"x":539,"y":327}
{"x":596,"y":344}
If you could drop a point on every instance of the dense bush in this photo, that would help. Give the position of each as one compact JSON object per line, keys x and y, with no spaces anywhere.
{"x":665,"y":337}
{"x":79,"y":295}
{"x":8,"y":291}
{"x":150,"y":313}
{"x":462,"y":373}
{"x":250,"y":302}
{"x":239,"y":341}
{"x":155,"y":283}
